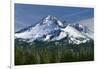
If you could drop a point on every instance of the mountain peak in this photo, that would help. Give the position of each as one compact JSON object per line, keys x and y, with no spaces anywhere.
{"x":50,"y":17}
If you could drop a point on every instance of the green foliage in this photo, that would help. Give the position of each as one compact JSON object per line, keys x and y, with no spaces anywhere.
{"x":52,"y":52}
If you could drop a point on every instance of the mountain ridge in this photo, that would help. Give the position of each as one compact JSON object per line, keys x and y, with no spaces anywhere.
{"x":50,"y":28}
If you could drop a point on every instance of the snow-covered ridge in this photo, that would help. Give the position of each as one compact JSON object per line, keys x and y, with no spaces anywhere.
{"x":51,"y":29}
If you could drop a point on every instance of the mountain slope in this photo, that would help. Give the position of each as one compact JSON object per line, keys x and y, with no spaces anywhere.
{"x":51,"y":29}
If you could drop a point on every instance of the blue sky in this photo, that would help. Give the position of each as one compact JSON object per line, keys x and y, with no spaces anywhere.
{"x":29,"y":14}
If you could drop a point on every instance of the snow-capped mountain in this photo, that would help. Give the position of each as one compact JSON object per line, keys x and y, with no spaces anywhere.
{"x":88,"y":22}
{"x":84,"y":30}
{"x":52,"y":29}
